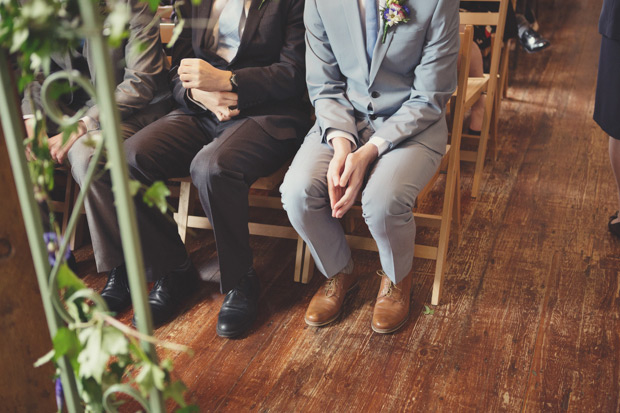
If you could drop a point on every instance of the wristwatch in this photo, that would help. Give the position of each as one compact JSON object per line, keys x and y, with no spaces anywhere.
{"x":233,"y":82}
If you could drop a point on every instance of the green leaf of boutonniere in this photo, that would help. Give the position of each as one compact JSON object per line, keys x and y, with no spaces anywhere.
{"x":262,"y":3}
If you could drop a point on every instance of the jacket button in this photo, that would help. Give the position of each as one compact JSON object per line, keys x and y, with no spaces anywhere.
{"x":375,"y":94}
{"x":372,"y":117}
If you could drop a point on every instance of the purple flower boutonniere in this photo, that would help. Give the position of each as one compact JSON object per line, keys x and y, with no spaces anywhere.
{"x":394,"y":12}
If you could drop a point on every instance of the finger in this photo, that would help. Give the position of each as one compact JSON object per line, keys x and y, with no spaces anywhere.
{"x":345,"y":203}
{"x":346,"y":174}
{"x":332,"y":191}
{"x":233,"y":113}
{"x":188,"y":61}
{"x":348,"y":198}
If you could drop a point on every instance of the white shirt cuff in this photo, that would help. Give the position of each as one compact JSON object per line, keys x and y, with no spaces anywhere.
{"x":381,"y":144}
{"x":26,"y":117}
{"x":332,"y":133}
{"x":90,"y":123}
{"x":194,"y":101}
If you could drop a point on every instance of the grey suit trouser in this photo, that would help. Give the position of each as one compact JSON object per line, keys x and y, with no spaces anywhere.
{"x":99,"y":202}
{"x":393,"y":183}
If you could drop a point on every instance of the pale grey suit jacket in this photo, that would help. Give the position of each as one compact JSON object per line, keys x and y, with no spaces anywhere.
{"x":406,"y":87}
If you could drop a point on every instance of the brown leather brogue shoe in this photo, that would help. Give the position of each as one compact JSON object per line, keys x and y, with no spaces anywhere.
{"x":326,"y":304}
{"x":392,"y":306}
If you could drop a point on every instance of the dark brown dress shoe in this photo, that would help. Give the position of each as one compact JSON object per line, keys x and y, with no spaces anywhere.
{"x":326,"y":304}
{"x":392,"y":306}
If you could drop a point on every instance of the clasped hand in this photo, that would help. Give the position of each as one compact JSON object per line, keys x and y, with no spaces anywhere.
{"x":200,"y":74}
{"x":58,"y":149}
{"x":345,"y":174}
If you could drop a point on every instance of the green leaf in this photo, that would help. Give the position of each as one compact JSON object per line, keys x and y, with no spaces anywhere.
{"x":428,"y":310}
{"x":134,"y":187}
{"x":153,"y":4}
{"x":94,"y":357}
{"x":156,"y":195}
{"x":176,"y":32}
{"x":67,"y":279}
{"x":66,"y":343}
{"x":19,"y":37}
{"x":150,"y":376}
{"x":114,"y":342}
{"x":175,"y":392}
{"x":91,"y":393}
{"x":45,"y":359}
{"x":117,"y":22}
{"x":188,"y":409}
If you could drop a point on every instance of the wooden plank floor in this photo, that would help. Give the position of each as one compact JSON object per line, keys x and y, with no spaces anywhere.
{"x":529,"y":318}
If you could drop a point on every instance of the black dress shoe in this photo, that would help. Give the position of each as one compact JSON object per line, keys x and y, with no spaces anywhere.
{"x":169,"y":292}
{"x":116,"y":291}
{"x":239,"y":309}
{"x":614,"y":228}
{"x":529,"y":38}
{"x":532,"y":41}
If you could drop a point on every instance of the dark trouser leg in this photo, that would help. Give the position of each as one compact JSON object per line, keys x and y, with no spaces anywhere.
{"x":223,"y":172}
{"x":161,"y":151}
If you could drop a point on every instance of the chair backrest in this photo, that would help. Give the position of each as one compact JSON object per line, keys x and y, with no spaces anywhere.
{"x":496,"y":19}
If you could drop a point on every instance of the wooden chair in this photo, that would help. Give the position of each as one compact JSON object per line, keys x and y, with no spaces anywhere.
{"x":488,"y":84}
{"x":451,"y":203}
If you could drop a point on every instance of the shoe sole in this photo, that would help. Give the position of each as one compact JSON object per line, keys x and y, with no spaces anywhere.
{"x":334,"y":318}
{"x":389,"y":330}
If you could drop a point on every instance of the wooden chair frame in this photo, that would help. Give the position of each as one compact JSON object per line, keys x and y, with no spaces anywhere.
{"x":497,"y":19}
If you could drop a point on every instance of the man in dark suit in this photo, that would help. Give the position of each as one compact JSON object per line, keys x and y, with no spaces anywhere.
{"x":238,"y":79}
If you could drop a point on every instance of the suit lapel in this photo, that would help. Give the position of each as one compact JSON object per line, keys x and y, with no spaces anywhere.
{"x":251,"y":23}
{"x":380,"y":51}
{"x":351,"y":13}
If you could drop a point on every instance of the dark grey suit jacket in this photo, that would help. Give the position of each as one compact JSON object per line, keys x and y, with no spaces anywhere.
{"x":269,"y":64}
{"x":141,"y":78}
{"x":609,"y":23}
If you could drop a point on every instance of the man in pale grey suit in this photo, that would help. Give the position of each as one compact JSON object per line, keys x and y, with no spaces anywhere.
{"x":380,"y":119}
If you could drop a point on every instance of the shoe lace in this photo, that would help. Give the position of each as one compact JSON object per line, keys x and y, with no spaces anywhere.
{"x":330,"y":286}
{"x":391,"y":285}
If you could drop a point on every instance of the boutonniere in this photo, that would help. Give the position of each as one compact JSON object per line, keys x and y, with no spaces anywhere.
{"x":262,"y":2}
{"x":394,"y":12}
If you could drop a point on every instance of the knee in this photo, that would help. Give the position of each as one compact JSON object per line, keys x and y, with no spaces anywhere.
{"x":142,"y":166}
{"x":302,"y":192}
{"x":208,"y":167}
{"x":79,"y":157}
{"x":378,"y":210}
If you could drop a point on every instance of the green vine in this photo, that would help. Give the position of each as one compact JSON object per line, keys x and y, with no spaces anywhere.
{"x":105,"y":355}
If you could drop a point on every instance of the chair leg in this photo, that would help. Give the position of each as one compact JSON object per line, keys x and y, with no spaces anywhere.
{"x":299,"y":259}
{"x":456,"y":213}
{"x":182,"y":215}
{"x":484,"y":138}
{"x":308,"y":266}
